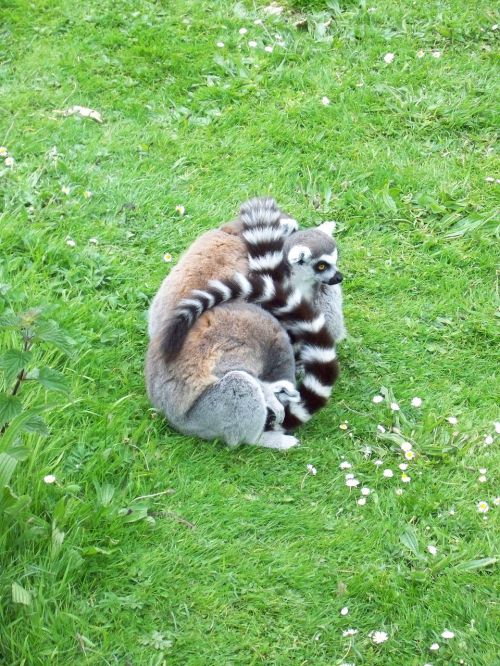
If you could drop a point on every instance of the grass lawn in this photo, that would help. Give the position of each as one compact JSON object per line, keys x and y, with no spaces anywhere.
{"x":149,"y":547}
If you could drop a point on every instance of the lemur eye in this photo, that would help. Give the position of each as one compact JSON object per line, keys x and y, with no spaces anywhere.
{"x":321,"y":267}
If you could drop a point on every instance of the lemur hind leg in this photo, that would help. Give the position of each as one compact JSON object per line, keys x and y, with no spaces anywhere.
{"x":233,"y":409}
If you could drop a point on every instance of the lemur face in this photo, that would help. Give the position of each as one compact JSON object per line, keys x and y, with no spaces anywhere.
{"x":313,"y":256}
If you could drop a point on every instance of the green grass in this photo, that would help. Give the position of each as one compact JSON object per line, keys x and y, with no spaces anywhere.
{"x":247,"y":559}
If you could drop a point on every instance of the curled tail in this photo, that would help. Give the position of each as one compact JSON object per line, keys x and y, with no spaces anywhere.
{"x":265,"y":229}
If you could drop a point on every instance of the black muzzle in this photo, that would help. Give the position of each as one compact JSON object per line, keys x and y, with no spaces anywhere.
{"x":336,"y":279}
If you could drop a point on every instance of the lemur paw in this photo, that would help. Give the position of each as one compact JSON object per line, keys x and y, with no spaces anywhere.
{"x":277,"y":440}
{"x":289,"y":225}
{"x":285,"y":392}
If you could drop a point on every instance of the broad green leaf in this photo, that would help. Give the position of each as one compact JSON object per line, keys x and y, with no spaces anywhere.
{"x":472,"y":565}
{"x":104,"y":493}
{"x":134,"y":513}
{"x":91,"y":551}
{"x":57,"y":539}
{"x":49,"y":331}
{"x":12,"y":362}
{"x":20,"y":595}
{"x":17,"y":451}
{"x":7,"y":467}
{"x":10,"y":406}
{"x":12,"y":504}
{"x":52,"y":380}
{"x":472,"y":222}
{"x":9,"y":320}
{"x":409,"y":539}
{"x":388,"y":200}
{"x":35,"y":423}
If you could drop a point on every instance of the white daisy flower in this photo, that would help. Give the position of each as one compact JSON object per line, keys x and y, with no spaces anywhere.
{"x":389,"y":57}
{"x":377,"y":399}
{"x":378,"y":462}
{"x":494,"y":27}
{"x":65,"y":189}
{"x":371,"y":10}
{"x":349,"y":476}
{"x":3,"y":151}
{"x":344,"y":426}
{"x":403,"y":467}
{"x":405,"y":478}
{"x":379,"y":636}
{"x":488,"y":440}
{"x":483,"y":507}
{"x":93,"y":241}
{"x":416,"y":402}
{"x":432,"y":550}
{"x":452,"y":420}
{"x":388,"y":473}
{"x":497,"y":427}
{"x":489,"y":179}
{"x":367,"y":451}
{"x":243,"y":31}
{"x":399,"y":491}
{"x":436,"y":54}
{"x":434,"y":647}
{"x":381,"y":428}
{"x":345,"y":465}
{"x":252,"y":44}
{"x":482,"y":479}
{"x":349,"y":632}
{"x":409,"y":455}
{"x":180,"y":210}
{"x":70,"y":242}
{"x":259,"y":22}
{"x":365,"y":491}
{"x":88,"y":194}
{"x":325,"y":101}
{"x":394,"y":406}
{"x":420,"y":53}
{"x":167,"y":257}
{"x":496,"y":501}
{"x":352,"y":483}
{"x":9,"y":161}
{"x":406,"y":446}
{"x":482,"y":470}
{"x":312,"y":470}
{"x":344,"y":611}
{"x":268,"y":49}
{"x":220,"y":45}
{"x":50,"y":478}
{"x":362,"y":501}
{"x":447,"y":634}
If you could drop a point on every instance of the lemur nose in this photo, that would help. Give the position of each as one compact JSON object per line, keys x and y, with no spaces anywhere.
{"x":337,"y":278}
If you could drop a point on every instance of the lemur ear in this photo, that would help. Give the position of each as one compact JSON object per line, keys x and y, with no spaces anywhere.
{"x":299,"y":254}
{"x":328,"y":227}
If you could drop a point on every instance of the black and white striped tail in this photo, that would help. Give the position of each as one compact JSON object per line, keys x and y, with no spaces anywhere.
{"x":265,"y":228}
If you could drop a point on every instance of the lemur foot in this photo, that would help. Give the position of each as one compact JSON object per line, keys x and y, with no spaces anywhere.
{"x":277,"y":440}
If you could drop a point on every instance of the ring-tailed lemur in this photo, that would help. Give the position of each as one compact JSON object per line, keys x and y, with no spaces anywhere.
{"x":287,"y":284}
{"x":236,"y":365}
